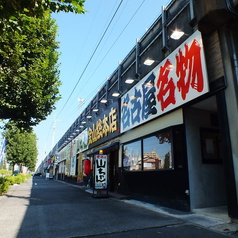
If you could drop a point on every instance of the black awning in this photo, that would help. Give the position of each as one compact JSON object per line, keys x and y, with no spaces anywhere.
{"x":107,"y":148}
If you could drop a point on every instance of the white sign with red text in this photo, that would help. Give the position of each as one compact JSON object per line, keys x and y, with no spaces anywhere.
{"x":179,"y":78}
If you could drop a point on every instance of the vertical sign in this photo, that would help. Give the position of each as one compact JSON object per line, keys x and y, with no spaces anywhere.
{"x":100,"y":172}
{"x":80,"y":168}
{"x":73,"y":165}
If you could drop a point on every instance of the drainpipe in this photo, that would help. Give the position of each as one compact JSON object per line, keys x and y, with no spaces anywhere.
{"x":137,"y":75}
{"x":231,"y":8}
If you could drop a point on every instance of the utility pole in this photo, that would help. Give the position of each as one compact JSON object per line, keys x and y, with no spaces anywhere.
{"x":53,"y":133}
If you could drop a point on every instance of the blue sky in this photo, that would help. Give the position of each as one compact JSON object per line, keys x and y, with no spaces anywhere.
{"x":85,"y":64}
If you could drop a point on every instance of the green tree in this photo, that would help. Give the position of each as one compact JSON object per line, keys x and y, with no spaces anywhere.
{"x":167,"y":161}
{"x":21,"y":147}
{"x":31,"y":151}
{"x":29,"y":76}
{"x":36,"y":8}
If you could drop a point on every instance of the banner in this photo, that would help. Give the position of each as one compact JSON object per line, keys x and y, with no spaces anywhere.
{"x":73,"y":165}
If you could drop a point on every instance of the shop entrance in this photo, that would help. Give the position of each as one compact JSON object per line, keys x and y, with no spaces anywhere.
{"x":113,"y":171}
{"x":207,"y":186}
{"x":112,"y":155}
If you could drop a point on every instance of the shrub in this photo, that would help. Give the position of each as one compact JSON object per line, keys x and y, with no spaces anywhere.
{"x":4,"y":172}
{"x":5,"y":182}
{"x":10,"y":179}
{"x":28,"y":176}
{"x":17,"y":179}
{"x":20,"y":178}
{"x":4,"y":186}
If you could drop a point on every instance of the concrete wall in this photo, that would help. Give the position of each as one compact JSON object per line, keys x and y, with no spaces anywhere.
{"x":229,"y":56}
{"x":206,"y":181}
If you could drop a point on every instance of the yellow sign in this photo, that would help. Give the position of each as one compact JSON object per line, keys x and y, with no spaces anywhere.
{"x":80,"y":168}
{"x":103,"y":127}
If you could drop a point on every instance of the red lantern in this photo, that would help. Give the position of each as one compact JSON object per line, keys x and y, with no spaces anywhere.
{"x":87,"y":166}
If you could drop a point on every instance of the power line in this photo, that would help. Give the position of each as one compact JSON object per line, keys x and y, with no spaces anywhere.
{"x":73,"y":110}
{"x":115,"y":41}
{"x":91,"y":57}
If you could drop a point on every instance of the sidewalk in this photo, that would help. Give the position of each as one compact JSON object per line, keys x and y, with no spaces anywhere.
{"x":200,"y":217}
{"x":204,"y":220}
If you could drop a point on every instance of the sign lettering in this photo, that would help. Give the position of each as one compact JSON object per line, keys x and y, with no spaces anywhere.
{"x":103,"y":127}
{"x":178,"y":79}
{"x":100,"y":172}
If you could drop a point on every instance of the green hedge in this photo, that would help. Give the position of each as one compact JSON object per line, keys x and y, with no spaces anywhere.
{"x":4,"y":172}
{"x":6,"y":181}
{"x":4,"y":185}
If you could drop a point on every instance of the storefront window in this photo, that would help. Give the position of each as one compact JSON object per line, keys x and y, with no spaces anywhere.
{"x":157,"y":152}
{"x":132,"y":156}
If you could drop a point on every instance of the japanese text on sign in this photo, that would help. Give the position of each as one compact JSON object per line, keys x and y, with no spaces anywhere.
{"x":103,"y":127}
{"x":101,"y":172}
{"x":179,"y":78}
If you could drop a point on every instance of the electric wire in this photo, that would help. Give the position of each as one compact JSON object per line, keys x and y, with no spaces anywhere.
{"x":114,"y":42}
{"x":86,"y":38}
{"x":112,"y":28}
{"x":109,"y":52}
{"x":80,"y":53}
{"x":93,"y":93}
{"x":91,"y":57}
{"x":73,"y":111}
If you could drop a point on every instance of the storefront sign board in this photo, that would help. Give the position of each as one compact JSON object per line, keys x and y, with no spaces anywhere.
{"x":104,"y":126}
{"x":178,"y":79}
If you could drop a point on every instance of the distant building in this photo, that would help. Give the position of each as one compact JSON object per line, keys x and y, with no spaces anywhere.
{"x":152,"y":160}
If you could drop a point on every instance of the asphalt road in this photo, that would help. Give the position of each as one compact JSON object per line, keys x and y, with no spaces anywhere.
{"x":47,"y":208}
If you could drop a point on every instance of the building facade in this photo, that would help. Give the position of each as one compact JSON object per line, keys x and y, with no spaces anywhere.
{"x":170,"y":136}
